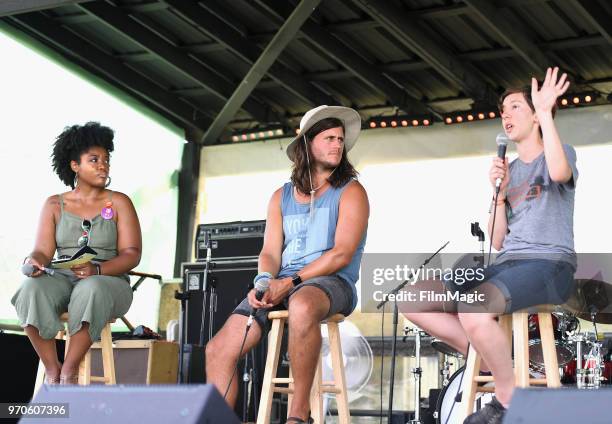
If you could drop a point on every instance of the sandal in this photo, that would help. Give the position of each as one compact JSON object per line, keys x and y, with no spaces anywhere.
{"x":69,"y":379}
{"x":297,"y":420}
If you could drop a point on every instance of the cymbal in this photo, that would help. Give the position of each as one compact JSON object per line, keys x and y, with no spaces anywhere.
{"x":591,"y":295}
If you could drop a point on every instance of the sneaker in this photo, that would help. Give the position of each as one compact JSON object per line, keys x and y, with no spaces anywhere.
{"x":492,"y":413}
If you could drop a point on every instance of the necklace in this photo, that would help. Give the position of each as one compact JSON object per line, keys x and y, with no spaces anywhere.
{"x":313,"y":190}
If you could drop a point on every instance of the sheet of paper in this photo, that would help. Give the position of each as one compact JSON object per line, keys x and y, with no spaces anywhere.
{"x":72,"y":262}
{"x":85,"y":254}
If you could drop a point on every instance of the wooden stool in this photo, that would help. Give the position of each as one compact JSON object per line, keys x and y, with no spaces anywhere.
{"x":516,"y":323}
{"x":319,"y":387}
{"x":85,"y":377}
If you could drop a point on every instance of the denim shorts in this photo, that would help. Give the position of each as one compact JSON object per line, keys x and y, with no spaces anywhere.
{"x":526,"y":282}
{"x":338,"y":292}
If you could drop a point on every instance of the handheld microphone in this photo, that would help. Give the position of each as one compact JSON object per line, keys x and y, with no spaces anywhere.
{"x":502,"y":145}
{"x":261,"y":287}
{"x":29,"y":269}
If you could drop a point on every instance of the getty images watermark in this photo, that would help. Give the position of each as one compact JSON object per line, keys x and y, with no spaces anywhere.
{"x":445,"y":280}
{"x":459,"y":282}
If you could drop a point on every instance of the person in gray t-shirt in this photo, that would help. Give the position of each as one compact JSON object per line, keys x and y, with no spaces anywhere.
{"x":533,"y":216}
{"x":533,"y":226}
{"x":539,"y":211}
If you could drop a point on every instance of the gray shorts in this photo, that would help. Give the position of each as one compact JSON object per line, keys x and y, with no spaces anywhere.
{"x":338,"y":292}
{"x":526,"y":282}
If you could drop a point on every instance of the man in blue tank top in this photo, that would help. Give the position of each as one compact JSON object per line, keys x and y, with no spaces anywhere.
{"x":315,"y":234}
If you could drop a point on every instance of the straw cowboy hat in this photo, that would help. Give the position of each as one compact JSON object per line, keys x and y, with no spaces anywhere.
{"x":350,"y":118}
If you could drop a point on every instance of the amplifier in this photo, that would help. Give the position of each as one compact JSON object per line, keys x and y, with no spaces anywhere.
{"x":211,"y":302}
{"x":230,"y":239}
{"x":140,"y":361}
{"x":226,"y":285}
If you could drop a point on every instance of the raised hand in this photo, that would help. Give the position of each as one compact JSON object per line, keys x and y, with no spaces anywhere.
{"x":545,"y":98}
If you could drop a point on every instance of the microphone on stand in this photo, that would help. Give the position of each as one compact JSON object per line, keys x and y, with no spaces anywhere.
{"x":502,"y":144}
{"x":208,"y":242}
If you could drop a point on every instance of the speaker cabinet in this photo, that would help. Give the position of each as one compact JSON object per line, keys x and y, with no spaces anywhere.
{"x":211,"y":302}
{"x":214,"y":296}
{"x":20,"y":364}
{"x":140,"y":361}
{"x":138,"y":404}
{"x":559,"y":406}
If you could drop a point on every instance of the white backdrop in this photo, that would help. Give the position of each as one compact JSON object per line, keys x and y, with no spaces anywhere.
{"x":40,"y":98}
{"x":425,"y":185}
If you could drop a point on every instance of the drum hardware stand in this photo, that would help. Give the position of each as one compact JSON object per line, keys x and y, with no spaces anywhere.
{"x":578,"y":338}
{"x":207,"y":268}
{"x":417,"y":371}
{"x":212,"y":309}
{"x":249,"y":375}
{"x":445,"y":371}
{"x":477,"y":232}
{"x":394,"y":336}
{"x":596,"y":300}
{"x":589,"y":373}
{"x":594,"y":360}
{"x":588,"y":367}
{"x":184,"y":297}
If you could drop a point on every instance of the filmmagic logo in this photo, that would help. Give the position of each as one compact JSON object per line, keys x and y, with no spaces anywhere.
{"x":431,"y":296}
{"x":401,"y":273}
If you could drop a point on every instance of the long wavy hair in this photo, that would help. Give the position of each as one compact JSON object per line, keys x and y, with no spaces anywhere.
{"x":299,"y":176}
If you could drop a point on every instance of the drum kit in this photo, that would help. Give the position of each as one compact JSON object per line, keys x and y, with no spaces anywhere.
{"x":584,"y":361}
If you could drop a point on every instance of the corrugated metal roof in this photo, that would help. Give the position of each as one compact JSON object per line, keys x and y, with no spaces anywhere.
{"x":381,"y":57}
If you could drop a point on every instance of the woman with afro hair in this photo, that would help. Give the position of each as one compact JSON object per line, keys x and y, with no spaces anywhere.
{"x":90,"y":214}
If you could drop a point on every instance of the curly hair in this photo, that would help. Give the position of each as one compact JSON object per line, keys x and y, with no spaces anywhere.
{"x":73,"y":142}
{"x":299,"y":176}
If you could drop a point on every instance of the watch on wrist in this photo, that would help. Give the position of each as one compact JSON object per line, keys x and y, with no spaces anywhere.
{"x":296,"y":280}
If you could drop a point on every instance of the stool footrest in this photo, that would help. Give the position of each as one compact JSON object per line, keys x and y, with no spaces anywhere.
{"x":272,"y":384}
{"x":330,"y":389}
{"x":285,"y":390}
{"x":98,"y":379}
{"x":334,"y":318}
{"x":483,"y":379}
{"x":515,"y":328}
